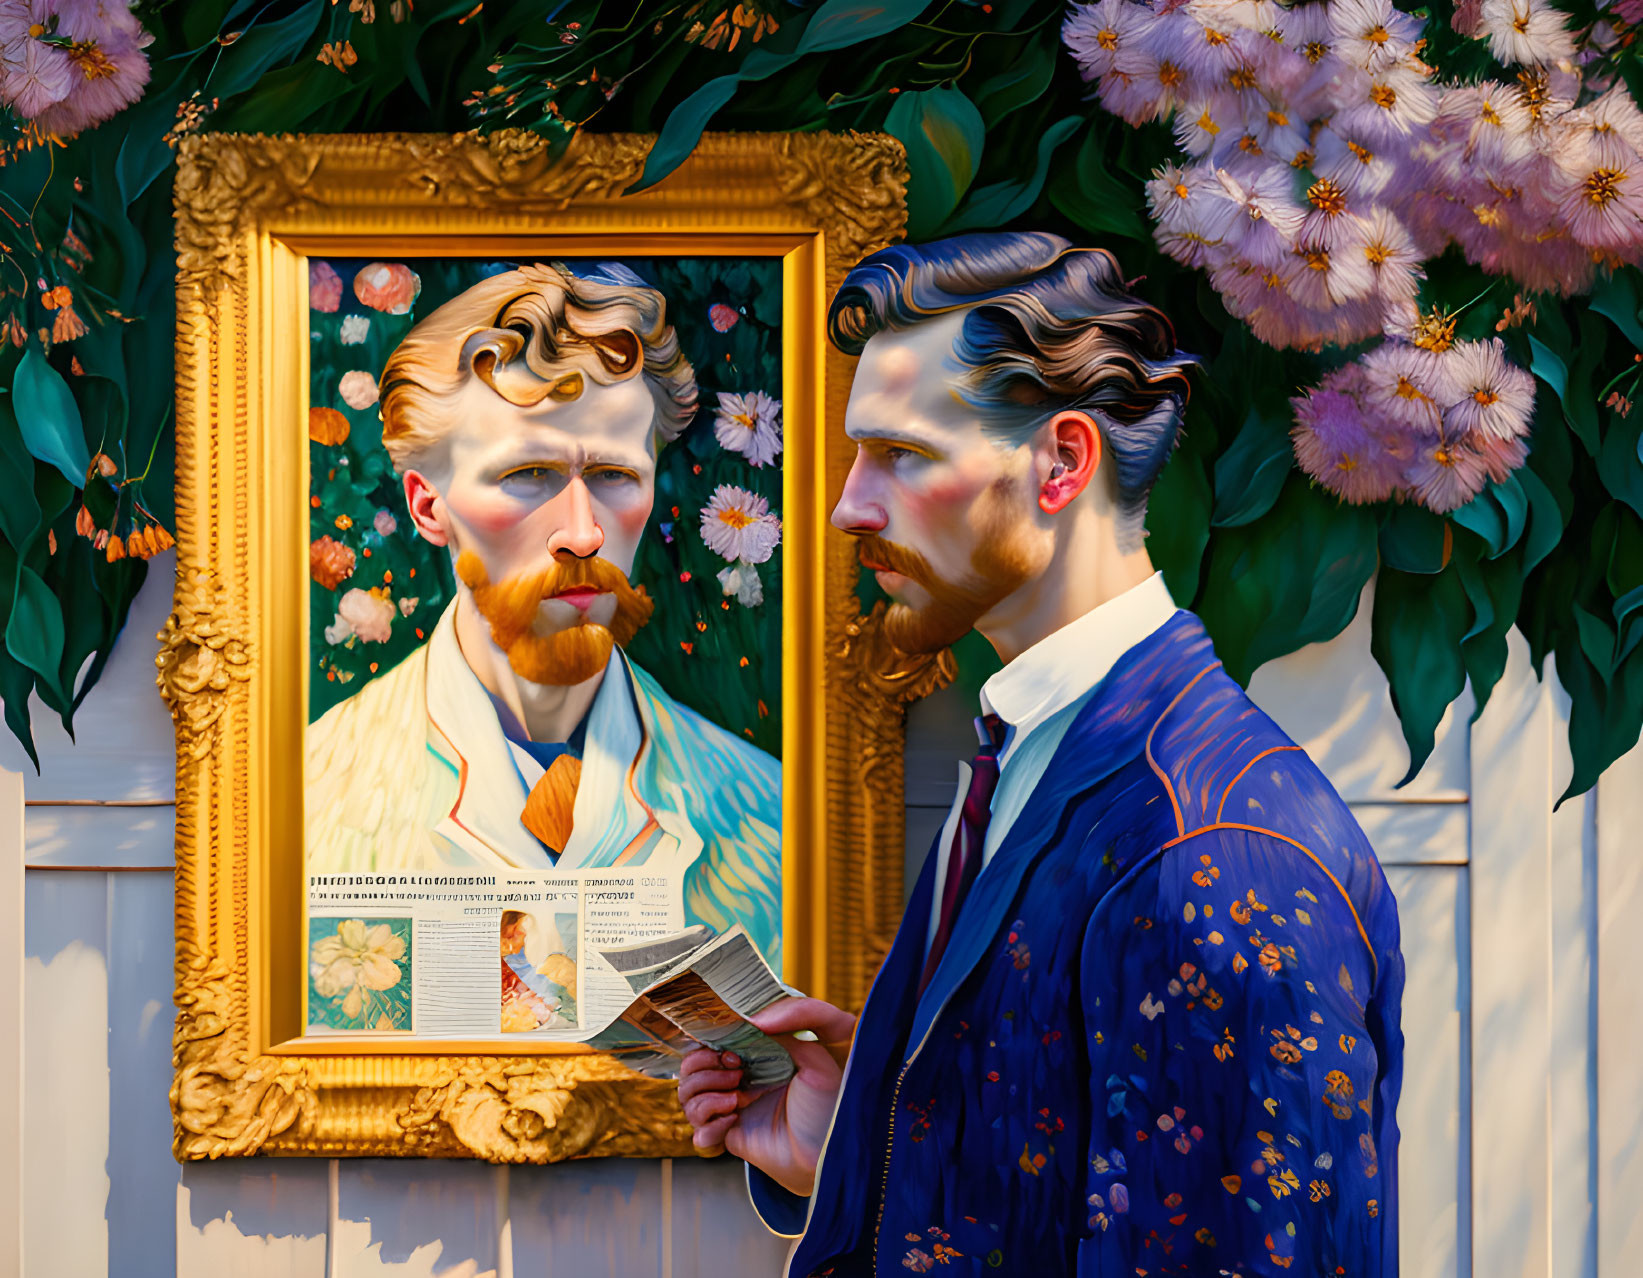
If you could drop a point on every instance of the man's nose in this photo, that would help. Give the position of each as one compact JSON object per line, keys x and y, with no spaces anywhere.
{"x":578,"y":532}
{"x":857,"y":511}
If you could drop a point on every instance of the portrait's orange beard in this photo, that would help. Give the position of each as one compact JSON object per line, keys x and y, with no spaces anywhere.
{"x":569,"y":656}
{"x":1001,"y":565}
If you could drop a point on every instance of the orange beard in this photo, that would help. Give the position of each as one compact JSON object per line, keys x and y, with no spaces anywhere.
{"x":1001,"y":563}
{"x":569,"y":656}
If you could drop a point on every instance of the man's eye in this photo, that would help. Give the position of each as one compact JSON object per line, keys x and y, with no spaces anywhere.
{"x":532,"y":480}
{"x":894,"y":454}
{"x":610,"y":477}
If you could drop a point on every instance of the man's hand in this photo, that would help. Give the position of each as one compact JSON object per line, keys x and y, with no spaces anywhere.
{"x":779,"y":1130}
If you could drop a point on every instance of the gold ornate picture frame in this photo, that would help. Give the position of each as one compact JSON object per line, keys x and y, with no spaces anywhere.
{"x":250,"y":211}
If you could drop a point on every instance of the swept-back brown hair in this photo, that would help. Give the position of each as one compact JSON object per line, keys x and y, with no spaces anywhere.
{"x":1047,"y":327}
{"x":534,"y":334}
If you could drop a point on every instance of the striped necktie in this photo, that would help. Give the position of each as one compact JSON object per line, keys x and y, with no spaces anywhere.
{"x":964,"y":855}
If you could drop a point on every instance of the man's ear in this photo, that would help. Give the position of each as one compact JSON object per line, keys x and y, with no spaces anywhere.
{"x":1076,"y":440}
{"x":427,"y":508}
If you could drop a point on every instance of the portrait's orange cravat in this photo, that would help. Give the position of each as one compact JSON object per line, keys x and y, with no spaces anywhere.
{"x":550,"y":807}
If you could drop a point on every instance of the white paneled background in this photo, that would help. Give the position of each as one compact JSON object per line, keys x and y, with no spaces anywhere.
{"x":1523,"y":1097}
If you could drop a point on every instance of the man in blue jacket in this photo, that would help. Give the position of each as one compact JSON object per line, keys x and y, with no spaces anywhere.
{"x":1141,"y":1016}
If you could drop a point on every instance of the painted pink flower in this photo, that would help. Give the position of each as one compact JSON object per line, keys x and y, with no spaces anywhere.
{"x":1406,"y":386}
{"x":324,"y":286}
{"x":390,"y":287}
{"x":722,"y":317}
{"x":1098,"y":34}
{"x":750,"y":424}
{"x":1529,"y":32}
{"x":1487,"y":393}
{"x":109,"y":69}
{"x":1335,"y":446}
{"x":385,"y":523}
{"x":357,"y":388}
{"x":362,"y":614}
{"x":33,"y":74}
{"x":738,"y":525}
{"x":1444,"y":476}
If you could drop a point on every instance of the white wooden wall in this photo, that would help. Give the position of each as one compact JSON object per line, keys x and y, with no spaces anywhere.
{"x":85,"y":875}
{"x":1523,"y":1096}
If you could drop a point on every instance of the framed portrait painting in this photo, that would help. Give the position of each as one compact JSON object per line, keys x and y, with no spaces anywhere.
{"x":512,"y":651}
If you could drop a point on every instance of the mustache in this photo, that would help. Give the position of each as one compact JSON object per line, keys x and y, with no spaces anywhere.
{"x":510,"y":604}
{"x":879,"y":555}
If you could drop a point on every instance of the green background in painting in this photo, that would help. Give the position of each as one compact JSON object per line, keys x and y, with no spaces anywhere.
{"x":697,"y":639}
{"x":392,"y":1004}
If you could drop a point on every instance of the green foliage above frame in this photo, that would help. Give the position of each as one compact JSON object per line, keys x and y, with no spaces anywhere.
{"x":1000,"y":132}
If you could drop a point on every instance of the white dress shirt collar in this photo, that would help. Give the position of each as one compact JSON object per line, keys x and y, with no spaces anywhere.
{"x":1060,"y":668}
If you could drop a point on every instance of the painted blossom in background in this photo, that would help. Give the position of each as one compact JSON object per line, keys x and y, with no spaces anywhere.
{"x":367,"y":615}
{"x":67,"y":65}
{"x":750,"y":424}
{"x":357,"y":388}
{"x":738,"y":525}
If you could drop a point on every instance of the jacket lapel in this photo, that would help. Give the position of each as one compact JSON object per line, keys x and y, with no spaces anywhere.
{"x":1109,"y":730}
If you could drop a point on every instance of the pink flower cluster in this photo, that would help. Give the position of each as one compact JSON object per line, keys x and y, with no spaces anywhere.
{"x":1429,"y":426}
{"x":66,"y":65}
{"x":1295,"y":122}
{"x":1528,"y":183}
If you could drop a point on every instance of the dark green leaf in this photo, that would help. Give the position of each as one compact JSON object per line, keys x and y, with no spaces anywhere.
{"x":1597,"y":641}
{"x":20,"y":518}
{"x":1415,"y":636}
{"x":264,"y":46}
{"x":1250,"y":474}
{"x":1413,"y":539}
{"x":1003,"y":202}
{"x":943,"y":133}
{"x":1178,"y":524}
{"x":1484,"y":517}
{"x":1616,"y":298}
{"x":1089,"y":193}
{"x":837,"y":24}
{"x":34,"y":631}
{"x":1545,"y":525}
{"x":1024,"y":81}
{"x":1628,"y":636}
{"x":49,"y":418}
{"x":1617,"y":460}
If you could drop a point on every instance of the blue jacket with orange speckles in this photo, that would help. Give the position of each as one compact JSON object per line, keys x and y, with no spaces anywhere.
{"x":1165,"y":1036}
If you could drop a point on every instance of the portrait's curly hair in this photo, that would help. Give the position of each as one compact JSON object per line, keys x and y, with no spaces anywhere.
{"x":533,"y":335}
{"x":1047,"y":328}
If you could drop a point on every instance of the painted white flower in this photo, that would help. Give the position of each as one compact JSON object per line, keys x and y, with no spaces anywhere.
{"x":742,"y":580}
{"x":363,"y":614}
{"x":355,"y":329}
{"x":750,"y":424}
{"x":407,"y":605}
{"x":1097,"y":35}
{"x":737,"y":524}
{"x":357,"y":958}
{"x":1488,"y":393}
{"x":1371,"y":33}
{"x":1529,"y":32}
{"x":1151,"y":1007}
{"x":357,"y":388}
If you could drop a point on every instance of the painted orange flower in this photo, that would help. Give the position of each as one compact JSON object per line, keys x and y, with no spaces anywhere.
{"x":327,"y":426}
{"x":330,"y":563}
{"x":390,"y":287}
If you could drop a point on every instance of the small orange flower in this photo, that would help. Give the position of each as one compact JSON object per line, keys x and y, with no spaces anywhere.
{"x":116,"y":549}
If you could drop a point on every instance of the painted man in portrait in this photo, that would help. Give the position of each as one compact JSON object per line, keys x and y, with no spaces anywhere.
{"x":1142,"y":1014}
{"x":524,"y":419}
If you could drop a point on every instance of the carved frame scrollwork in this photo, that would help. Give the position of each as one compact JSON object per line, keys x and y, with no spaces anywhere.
{"x":249,"y":209}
